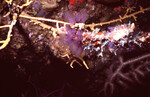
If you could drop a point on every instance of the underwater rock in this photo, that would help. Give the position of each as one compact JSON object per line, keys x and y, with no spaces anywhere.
{"x":49,"y":4}
{"x":110,"y":2}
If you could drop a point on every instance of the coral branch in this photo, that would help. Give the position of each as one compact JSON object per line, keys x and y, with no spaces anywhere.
{"x":122,"y":78}
{"x":127,"y":62}
{"x":71,"y":64}
{"x":44,"y":19}
{"x":74,"y":60}
{"x":4,"y":26}
{"x":84,"y":63}
{"x":44,"y":26}
{"x":15,"y":16}
{"x":5,"y":42}
{"x":120,"y":19}
{"x":136,"y":59}
{"x":26,"y":4}
{"x":9,"y":1}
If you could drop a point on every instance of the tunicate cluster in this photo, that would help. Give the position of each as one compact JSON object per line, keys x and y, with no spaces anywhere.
{"x":72,"y":41}
{"x":37,"y":8}
{"x":78,"y":17}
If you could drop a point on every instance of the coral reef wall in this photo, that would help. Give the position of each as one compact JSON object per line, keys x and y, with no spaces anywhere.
{"x":75,"y":48}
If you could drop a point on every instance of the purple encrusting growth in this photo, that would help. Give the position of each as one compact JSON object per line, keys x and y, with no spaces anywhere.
{"x":37,"y":8}
{"x":41,"y":13}
{"x":72,"y":41}
{"x":68,"y":17}
{"x":73,"y":37}
{"x":79,"y":17}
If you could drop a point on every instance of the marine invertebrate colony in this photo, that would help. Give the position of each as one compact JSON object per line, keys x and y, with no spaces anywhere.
{"x":75,"y":34}
{"x":115,"y":39}
{"x":79,"y":17}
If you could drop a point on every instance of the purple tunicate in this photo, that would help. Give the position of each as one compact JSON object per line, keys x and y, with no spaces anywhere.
{"x":41,"y":13}
{"x":36,"y":6}
{"x":72,"y":41}
{"x":70,"y":36}
{"x":70,"y":32}
{"x":68,"y":40}
{"x":81,"y":16}
{"x":78,"y":18}
{"x":79,"y":33}
{"x":68,"y":28}
{"x":75,"y":48}
{"x":78,"y":52}
{"x":73,"y":31}
{"x":79,"y":38}
{"x":68,"y":17}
